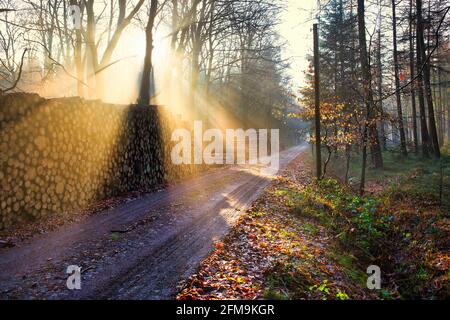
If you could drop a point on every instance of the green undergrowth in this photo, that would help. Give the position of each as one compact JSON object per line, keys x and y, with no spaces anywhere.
{"x":407,"y":240}
{"x":402,"y":225}
{"x":318,"y":268}
{"x":305,"y":239}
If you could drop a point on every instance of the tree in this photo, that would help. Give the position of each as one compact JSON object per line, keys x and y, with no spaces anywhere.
{"x":317,"y":103}
{"x":145,"y":88}
{"x":397,"y":84}
{"x":369,"y":130}
{"x":98,"y":63}
{"x":412,"y":73}
{"x":425,"y":79}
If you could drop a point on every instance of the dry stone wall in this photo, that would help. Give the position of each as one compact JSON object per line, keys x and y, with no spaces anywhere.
{"x":61,"y":154}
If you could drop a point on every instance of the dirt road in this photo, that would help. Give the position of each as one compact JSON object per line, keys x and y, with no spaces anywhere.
{"x":140,"y":249}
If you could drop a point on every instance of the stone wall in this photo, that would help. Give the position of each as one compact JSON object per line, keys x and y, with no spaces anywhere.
{"x":62,"y":154}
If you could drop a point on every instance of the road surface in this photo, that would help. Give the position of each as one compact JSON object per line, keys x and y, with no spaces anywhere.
{"x":142,"y":248}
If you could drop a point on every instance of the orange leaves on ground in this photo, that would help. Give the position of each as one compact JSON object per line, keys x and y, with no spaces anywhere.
{"x":219,"y":245}
{"x":267,"y":236}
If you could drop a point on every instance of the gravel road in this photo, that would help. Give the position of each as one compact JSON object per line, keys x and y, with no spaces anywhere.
{"x":142,"y":248}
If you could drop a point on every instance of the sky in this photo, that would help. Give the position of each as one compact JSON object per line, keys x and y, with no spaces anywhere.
{"x":296,"y":29}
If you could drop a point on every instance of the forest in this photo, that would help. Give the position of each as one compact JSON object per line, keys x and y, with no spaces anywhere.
{"x":397,"y":98}
{"x":194,"y":55}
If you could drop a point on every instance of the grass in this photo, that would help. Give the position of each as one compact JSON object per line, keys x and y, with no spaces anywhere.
{"x":413,"y":175}
{"x":311,"y":228}
{"x":350,"y":266}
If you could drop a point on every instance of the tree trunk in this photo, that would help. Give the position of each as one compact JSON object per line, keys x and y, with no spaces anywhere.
{"x":317,"y":103}
{"x":368,"y":95}
{"x":440,"y":108}
{"x":426,"y":80}
{"x":423,"y":122}
{"x":380,"y":91}
{"x":412,"y":75}
{"x":401,"y":128}
{"x":197,"y":44}
{"x":448,"y":113}
{"x":78,"y":59}
{"x":194,"y":79}
{"x":144,"y":93}
{"x":92,"y":56}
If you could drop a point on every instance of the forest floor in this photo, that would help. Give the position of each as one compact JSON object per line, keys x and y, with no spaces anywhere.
{"x":309,"y":240}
